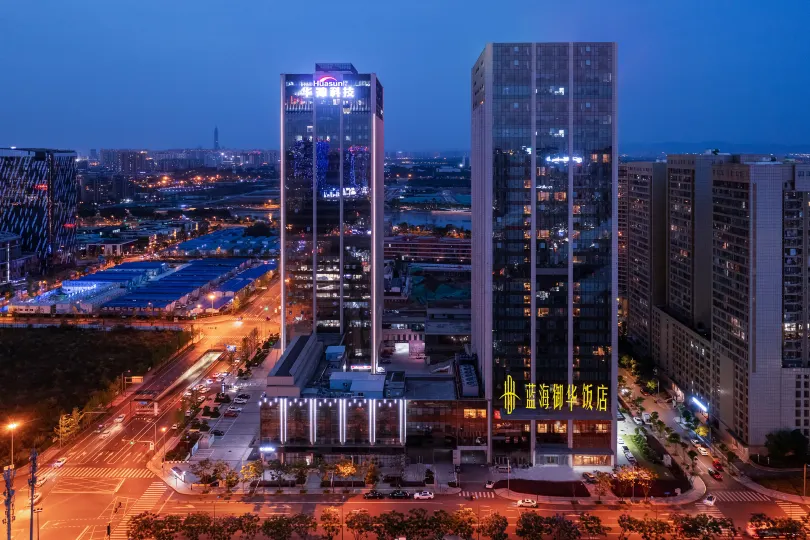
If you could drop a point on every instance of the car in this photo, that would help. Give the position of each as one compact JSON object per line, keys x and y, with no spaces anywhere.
{"x":527,"y":503}
{"x":59,"y":462}
{"x":702,"y":451}
{"x":187,"y":393}
{"x":209,"y":381}
{"x":359,"y":511}
{"x":625,"y":449}
{"x":374,"y":494}
{"x":380,"y":369}
{"x":630,"y":458}
{"x":200,"y":399}
{"x":175,"y":426}
{"x":243,"y":396}
{"x":104,"y":434}
{"x":710,"y":500}
{"x":188,"y":413}
{"x":235,"y":408}
{"x":423,"y":495}
{"x":240,"y":401}
{"x":41,"y":481}
{"x":695,"y":442}
{"x":638,"y":421}
{"x":37,"y":498}
{"x":231,"y":414}
{"x":589,"y":478}
{"x":714,"y":474}
{"x":619,"y":417}
{"x":217,"y":432}
{"x":399,"y":494}
{"x":490,"y":484}
{"x":717,"y":465}
{"x":120,"y":418}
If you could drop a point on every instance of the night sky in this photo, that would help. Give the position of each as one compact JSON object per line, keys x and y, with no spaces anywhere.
{"x":161,"y":73}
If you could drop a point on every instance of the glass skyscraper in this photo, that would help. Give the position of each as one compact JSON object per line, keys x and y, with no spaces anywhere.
{"x":332,"y":207}
{"x":544,"y":181}
{"x":38,"y":195}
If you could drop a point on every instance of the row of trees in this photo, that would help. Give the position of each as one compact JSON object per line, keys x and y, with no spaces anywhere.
{"x":418,"y":524}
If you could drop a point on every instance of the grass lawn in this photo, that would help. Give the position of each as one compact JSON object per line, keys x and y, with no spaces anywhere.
{"x":789,"y":484}
{"x":662,"y":472}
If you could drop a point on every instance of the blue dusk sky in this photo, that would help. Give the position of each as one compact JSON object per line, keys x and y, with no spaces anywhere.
{"x":162,"y":73}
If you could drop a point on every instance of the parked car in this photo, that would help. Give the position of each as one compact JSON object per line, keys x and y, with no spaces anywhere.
{"x":231,"y":414}
{"x":619,"y":416}
{"x":399,"y":494}
{"x":714,"y":474}
{"x":710,"y":500}
{"x":244,"y":396}
{"x":59,"y":462}
{"x":423,"y":495}
{"x":638,"y":421}
{"x":175,"y":426}
{"x":374,"y":494}
{"x":695,"y":442}
{"x":717,"y":465}
{"x":590,"y":478}
{"x":630,"y":458}
{"x":490,"y":484}
{"x":234,"y":408}
{"x":217,"y":432}
{"x":209,"y":381}
{"x":702,"y":451}
{"x":527,"y":503}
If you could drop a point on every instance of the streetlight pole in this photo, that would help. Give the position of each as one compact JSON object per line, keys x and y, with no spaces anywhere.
{"x":11,"y":427}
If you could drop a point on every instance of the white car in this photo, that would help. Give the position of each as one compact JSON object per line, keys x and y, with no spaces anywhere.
{"x":702,"y":451}
{"x":423,"y":495}
{"x":41,"y":481}
{"x":235,"y":409}
{"x":120,"y":418}
{"x":710,"y":500}
{"x":240,"y":401}
{"x":209,"y":381}
{"x":37,"y":497}
{"x":695,"y":442}
{"x":638,"y":421}
{"x":490,"y":484}
{"x":527,"y":503}
{"x":59,"y":462}
{"x":105,"y":434}
{"x":175,"y":426}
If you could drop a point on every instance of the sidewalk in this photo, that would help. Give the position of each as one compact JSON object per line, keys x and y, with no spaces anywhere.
{"x":753,"y":486}
{"x":697,"y":492}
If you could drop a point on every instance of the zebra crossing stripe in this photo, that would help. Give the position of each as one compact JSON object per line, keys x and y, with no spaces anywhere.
{"x":478,"y":494}
{"x":741,"y":496}
{"x":100,"y":472}
{"x":145,"y":503}
{"x":792,"y":510}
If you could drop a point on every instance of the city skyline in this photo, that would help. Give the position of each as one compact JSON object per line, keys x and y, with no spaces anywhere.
{"x":137,"y":81}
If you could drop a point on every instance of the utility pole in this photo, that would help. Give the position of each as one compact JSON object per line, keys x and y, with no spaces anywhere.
{"x":804,"y":484}
{"x":32,"y":484}
{"x":8,"y":477}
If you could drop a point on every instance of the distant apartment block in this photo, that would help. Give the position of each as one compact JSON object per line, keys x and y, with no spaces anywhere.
{"x":622,"y":241}
{"x":432,"y":249}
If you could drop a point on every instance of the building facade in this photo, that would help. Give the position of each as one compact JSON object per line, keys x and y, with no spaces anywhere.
{"x":623,"y":237}
{"x":430,"y":249}
{"x":332,"y":206}
{"x":38,"y":195}
{"x":646,"y":243}
{"x":545,"y":242}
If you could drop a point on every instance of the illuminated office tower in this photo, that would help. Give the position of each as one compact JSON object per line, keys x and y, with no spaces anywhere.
{"x":544,"y":282}
{"x":332,"y":207}
{"x":38,"y":195}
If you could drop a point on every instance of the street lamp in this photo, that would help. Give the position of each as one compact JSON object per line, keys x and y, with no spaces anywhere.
{"x":11,"y":427}
{"x":211,"y":297}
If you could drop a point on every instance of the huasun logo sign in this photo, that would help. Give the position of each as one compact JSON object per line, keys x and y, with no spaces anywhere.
{"x":555,"y":396}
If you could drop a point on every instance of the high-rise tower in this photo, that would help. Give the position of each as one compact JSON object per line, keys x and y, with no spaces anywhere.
{"x":332,"y":206}
{"x":216,"y":138}
{"x":544,"y":282}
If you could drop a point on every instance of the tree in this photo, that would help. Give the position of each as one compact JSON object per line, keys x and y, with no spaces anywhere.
{"x":701,"y":526}
{"x":621,"y":381}
{"x":196,"y":525}
{"x":224,"y":528}
{"x":252,"y":471}
{"x":301,"y":471}
{"x":464,"y":522}
{"x":530,"y":526}
{"x":168,"y":528}
{"x":654,"y":529}
{"x":143,"y":526}
{"x":592,"y":525}
{"x":603,"y":484}
{"x":345,"y":468}
{"x":360,"y":524}
{"x":645,"y":478}
{"x":784,"y":443}
{"x":202,"y":470}
{"x":330,"y":523}
{"x":277,"y":528}
{"x":702,"y":430}
{"x":250,"y":525}
{"x":389,"y":526}
{"x":372,"y":474}
{"x":652,"y":386}
{"x":628,"y":524}
{"x":231,"y":479}
{"x":442,"y":523}
{"x":673,"y":438}
{"x":494,"y":526}
{"x":303,"y":525}
{"x":418,"y":525}
{"x":560,"y":527}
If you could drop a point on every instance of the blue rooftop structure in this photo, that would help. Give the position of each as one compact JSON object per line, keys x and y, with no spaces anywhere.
{"x":229,"y":240}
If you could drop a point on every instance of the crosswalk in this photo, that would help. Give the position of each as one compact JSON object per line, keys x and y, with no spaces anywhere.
{"x":101,"y":472}
{"x":709,"y":510}
{"x":740,"y":496}
{"x":478,"y":494}
{"x":792,"y":510}
{"x":145,"y":503}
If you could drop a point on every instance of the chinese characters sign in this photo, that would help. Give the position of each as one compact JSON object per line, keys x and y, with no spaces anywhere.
{"x":346,"y":92}
{"x":555,"y":396}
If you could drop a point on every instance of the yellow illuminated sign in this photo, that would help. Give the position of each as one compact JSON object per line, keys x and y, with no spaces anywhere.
{"x":555,"y":396}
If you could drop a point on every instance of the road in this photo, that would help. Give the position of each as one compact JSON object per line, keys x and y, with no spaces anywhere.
{"x":80,"y":498}
{"x":734,"y":500}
